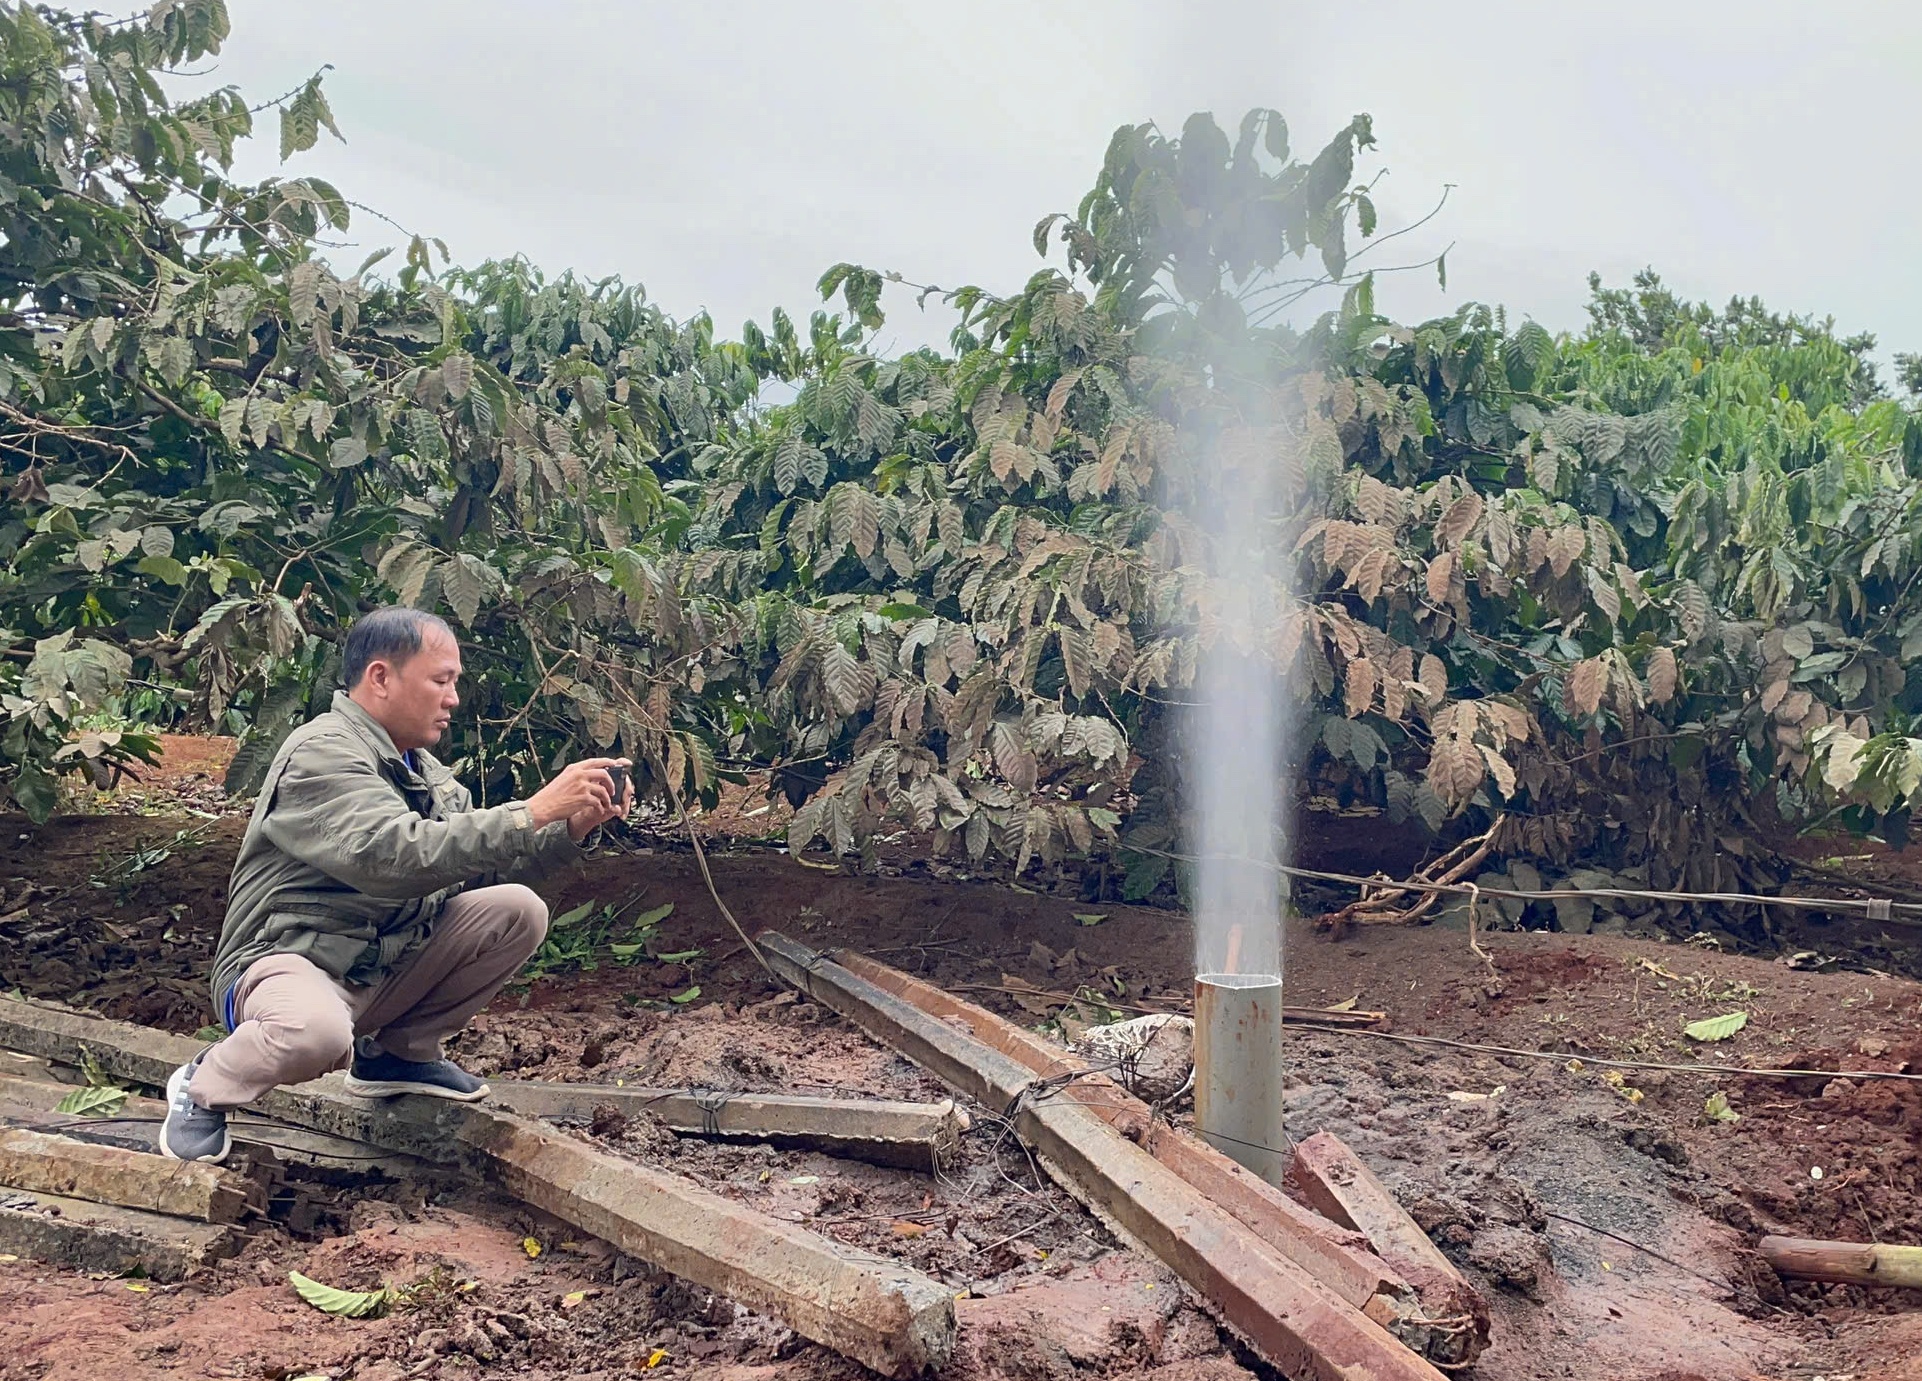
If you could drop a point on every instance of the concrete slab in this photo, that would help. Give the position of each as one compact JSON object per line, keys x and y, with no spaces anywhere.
{"x":103,"y":1237}
{"x":1291,"y":1319}
{"x":46,"y":1164}
{"x":878,"y":1312}
{"x":905,"y":1136}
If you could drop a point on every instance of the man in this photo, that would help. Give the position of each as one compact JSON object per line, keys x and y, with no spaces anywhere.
{"x":372,"y":910}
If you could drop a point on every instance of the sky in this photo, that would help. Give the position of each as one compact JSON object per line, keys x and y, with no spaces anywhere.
{"x":725,"y":155}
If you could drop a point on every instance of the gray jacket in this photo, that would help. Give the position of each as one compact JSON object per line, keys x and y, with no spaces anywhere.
{"x":351,"y":852}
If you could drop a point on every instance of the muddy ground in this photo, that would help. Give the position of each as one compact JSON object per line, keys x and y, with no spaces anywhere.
{"x":1609,"y":1218}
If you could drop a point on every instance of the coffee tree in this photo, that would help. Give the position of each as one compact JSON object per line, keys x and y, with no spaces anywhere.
{"x":1635,"y":591}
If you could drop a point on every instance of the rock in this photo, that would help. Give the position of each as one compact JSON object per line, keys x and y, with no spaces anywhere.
{"x":1510,"y":1257}
{"x":1151,"y":1056}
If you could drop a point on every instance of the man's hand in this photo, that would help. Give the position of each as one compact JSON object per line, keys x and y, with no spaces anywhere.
{"x":582,"y":795}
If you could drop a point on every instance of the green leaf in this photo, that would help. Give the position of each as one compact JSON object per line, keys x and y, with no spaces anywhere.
{"x":1718,"y":1110}
{"x":680,"y":956}
{"x":1274,"y":135}
{"x":1716,"y":1028}
{"x":93,"y":1101}
{"x":346,"y":1304}
{"x":572,"y":917}
{"x":346,"y":453}
{"x":35,"y":792}
{"x":163,"y":568}
{"x":1091,"y":917}
{"x":303,"y":117}
{"x":654,"y":916}
{"x":687,"y":996}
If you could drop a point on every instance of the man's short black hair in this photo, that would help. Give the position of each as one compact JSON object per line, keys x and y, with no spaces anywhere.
{"x":389,"y":635}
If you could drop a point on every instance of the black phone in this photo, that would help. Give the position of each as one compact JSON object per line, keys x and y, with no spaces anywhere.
{"x":617,"y":778}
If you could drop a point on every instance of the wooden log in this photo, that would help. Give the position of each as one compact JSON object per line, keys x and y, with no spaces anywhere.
{"x":1844,"y":1263}
{"x":1330,"y":1176}
{"x":1332,"y":1253}
{"x":880,"y":1313}
{"x":104,"y":1237}
{"x":1291,"y":1319}
{"x":47,"y":1164}
{"x":906,"y":1136}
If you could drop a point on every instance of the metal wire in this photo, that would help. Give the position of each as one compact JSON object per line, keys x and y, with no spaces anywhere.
{"x":1872,"y":908}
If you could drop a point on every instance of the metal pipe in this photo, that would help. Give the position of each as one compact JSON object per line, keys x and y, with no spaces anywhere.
{"x":1238,"y":1069}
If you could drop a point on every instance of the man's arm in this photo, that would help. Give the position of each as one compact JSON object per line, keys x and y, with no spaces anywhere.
{"x":350,"y":822}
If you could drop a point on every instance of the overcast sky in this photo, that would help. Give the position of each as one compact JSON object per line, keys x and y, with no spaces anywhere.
{"x":724,"y":155}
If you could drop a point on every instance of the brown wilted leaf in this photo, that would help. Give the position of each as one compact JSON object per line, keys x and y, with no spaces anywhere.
{"x":1434,"y":678}
{"x":1564,"y":547}
{"x":1454,"y":770}
{"x":1373,"y":499}
{"x":1441,"y":577}
{"x":1394,"y":682}
{"x":1358,"y":684}
{"x":1458,"y":521}
{"x":1499,"y":768}
{"x":1662,"y":675}
{"x":1585,"y":685}
{"x":1371,"y":572}
{"x":1501,"y":537}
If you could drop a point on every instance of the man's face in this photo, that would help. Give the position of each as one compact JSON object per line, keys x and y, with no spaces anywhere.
{"x":415,"y":700}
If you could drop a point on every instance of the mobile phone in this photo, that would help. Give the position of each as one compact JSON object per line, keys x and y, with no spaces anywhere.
{"x":617,"y":780}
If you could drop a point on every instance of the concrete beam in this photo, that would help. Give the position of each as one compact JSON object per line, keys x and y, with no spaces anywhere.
{"x":906,"y":1136}
{"x":103,"y":1237}
{"x":45,"y":1164}
{"x":880,"y":1313}
{"x":33,"y":1104}
{"x":1329,"y":1175}
{"x":1336,"y":1256}
{"x":1291,"y":1319}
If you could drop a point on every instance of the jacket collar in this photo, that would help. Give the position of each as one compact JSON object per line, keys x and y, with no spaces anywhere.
{"x":369,"y":728}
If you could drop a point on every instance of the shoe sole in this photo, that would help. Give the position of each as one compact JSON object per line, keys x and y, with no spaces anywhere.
{"x":385,"y":1088}
{"x":226,"y":1139}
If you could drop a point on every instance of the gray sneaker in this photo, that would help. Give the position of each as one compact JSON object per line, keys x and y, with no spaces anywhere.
{"x":192,"y":1132}
{"x":380,"y":1075}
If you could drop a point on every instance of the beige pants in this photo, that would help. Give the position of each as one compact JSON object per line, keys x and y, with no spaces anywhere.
{"x":293,"y":1022}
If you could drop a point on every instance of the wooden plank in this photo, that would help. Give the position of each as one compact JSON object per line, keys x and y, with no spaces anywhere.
{"x":1291,"y":1319}
{"x":880,"y":1313}
{"x":1844,"y":1263}
{"x":1333,"y":1179}
{"x":104,"y":1237}
{"x":46,"y":1164}
{"x":1335,"y":1255}
{"x":907,"y":1136}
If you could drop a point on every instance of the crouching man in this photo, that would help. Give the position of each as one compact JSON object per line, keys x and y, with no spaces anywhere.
{"x":372,"y":910}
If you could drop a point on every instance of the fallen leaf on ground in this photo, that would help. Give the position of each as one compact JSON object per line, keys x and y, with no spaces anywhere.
{"x":346,"y":1304}
{"x":1716,"y":1028}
